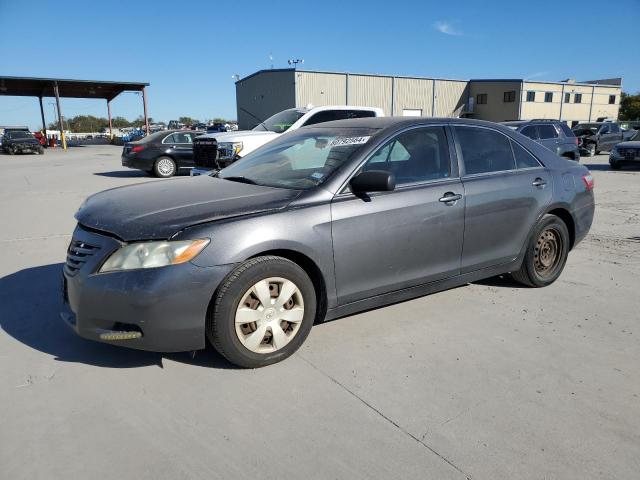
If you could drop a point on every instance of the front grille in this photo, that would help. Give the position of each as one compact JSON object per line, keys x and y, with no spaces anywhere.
{"x":629,"y":153}
{"x":205,"y":153}
{"x":77,"y":254}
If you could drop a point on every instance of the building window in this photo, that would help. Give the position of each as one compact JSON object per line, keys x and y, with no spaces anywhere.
{"x":567,"y":97}
{"x":481,"y":99}
{"x":612,"y":99}
{"x":548,"y":97}
{"x":531,"y":96}
{"x":577,"y":98}
{"x":510,"y":96}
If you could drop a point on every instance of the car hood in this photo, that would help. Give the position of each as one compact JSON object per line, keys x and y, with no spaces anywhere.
{"x":633,"y":144}
{"x":237,"y":136}
{"x":160,"y":209}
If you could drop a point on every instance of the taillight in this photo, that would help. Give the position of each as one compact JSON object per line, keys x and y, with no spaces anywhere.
{"x":577,"y":141}
{"x":588,"y":181}
{"x":137,"y":148}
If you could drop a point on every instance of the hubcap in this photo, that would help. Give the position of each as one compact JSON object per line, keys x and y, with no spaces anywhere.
{"x":547,"y":253}
{"x":165,"y":166}
{"x":269,"y":315}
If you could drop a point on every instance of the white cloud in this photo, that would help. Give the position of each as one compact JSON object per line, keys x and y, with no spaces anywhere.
{"x":536,"y":75}
{"x":446,"y":28}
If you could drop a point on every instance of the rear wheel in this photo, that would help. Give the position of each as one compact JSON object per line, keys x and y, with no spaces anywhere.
{"x":164,"y":167}
{"x":546,"y":253}
{"x":11,"y":151}
{"x":262,"y":312}
{"x":40,"y":151}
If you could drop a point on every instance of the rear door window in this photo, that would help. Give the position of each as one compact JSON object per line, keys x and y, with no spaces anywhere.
{"x":547,"y":131}
{"x":484,"y":150}
{"x":615,"y":128}
{"x":530,"y":131}
{"x":523,"y":158}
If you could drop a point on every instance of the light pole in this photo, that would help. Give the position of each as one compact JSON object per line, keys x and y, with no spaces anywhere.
{"x":295,"y":62}
{"x":236,"y":77}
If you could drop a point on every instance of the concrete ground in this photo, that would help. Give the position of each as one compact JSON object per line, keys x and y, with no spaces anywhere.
{"x":487,"y":381}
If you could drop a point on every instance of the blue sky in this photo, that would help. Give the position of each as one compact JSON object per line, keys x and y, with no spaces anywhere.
{"x":188,"y":51}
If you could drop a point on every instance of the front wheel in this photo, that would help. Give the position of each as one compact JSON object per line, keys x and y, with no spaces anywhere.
{"x":546,"y":253}
{"x":164,"y":167}
{"x":262,"y":312}
{"x":591,"y":150}
{"x":614,"y":165}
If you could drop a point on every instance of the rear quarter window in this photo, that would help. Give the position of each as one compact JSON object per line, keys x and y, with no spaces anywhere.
{"x":523,"y":158}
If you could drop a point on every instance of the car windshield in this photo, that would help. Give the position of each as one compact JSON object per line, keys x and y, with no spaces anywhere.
{"x":300,"y":160}
{"x":19,"y":135}
{"x":280,"y":122}
{"x":593,"y":127}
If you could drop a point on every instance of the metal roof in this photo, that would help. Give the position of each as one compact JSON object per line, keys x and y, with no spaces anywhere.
{"x":299,"y":70}
{"x":589,"y":83}
{"x":43,"y":87}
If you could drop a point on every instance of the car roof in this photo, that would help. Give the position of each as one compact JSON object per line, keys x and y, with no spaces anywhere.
{"x":387,"y":122}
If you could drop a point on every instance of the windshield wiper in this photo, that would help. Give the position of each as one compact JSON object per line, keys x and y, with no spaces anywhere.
{"x":240,"y":179}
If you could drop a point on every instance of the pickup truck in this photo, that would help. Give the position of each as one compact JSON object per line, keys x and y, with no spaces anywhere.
{"x":217,"y":150}
{"x":597,"y":136}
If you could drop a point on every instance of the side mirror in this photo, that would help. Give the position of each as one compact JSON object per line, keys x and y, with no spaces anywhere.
{"x":373,"y":181}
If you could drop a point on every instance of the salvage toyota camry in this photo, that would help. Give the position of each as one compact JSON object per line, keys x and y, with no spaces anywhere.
{"x":323,"y":222}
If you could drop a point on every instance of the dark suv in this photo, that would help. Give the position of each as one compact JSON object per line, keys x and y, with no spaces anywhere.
{"x":554,"y":135}
{"x":18,"y":141}
{"x":595,"y":137}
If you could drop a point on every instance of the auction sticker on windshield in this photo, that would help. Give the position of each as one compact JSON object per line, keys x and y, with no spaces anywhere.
{"x":340,"y":142}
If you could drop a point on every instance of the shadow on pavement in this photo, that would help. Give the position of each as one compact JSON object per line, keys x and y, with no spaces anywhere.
{"x":504,"y":281}
{"x":123,"y":174}
{"x":30,"y":302}
{"x":606,"y":167}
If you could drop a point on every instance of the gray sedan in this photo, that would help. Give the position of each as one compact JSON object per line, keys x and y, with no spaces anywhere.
{"x":320,"y":223}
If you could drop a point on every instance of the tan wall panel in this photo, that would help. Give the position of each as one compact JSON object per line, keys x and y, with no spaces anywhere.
{"x":413,"y":93}
{"x":451,"y":97}
{"x":496,"y":110}
{"x":369,"y":91}
{"x":264,"y":95}
{"x":320,"y":89}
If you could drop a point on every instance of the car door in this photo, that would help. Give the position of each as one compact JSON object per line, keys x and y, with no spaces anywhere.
{"x":412,"y":235}
{"x":606,"y":138}
{"x":183,"y":148}
{"x":503,"y":198}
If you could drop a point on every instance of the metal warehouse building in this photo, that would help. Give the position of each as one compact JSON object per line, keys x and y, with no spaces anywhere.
{"x":267,"y":92}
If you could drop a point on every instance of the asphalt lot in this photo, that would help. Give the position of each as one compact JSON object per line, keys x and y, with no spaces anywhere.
{"x":487,"y":381}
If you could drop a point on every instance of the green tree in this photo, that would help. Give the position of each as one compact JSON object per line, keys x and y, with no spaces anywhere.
{"x":188,"y":120}
{"x":629,"y":106}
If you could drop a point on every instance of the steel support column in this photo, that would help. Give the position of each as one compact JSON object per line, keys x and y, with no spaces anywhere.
{"x":63,"y":140}
{"x":144,"y":104}
{"x":44,"y":124}
{"x":110,"y":122}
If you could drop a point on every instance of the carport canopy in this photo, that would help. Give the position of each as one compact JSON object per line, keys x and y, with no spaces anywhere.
{"x":61,"y":88}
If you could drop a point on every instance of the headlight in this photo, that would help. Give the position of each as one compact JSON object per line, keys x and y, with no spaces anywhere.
{"x":153,"y":254}
{"x":615,"y":152}
{"x":229,"y":149}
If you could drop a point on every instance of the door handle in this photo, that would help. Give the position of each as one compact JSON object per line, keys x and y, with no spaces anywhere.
{"x":450,"y":198}
{"x":538,"y":182}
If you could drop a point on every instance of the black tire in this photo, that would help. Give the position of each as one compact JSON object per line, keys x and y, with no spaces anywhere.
{"x":614,"y":165}
{"x":40,"y":151}
{"x":11,"y":151}
{"x":159,"y":169}
{"x":591,"y":150}
{"x":534,"y":272}
{"x":221,"y":328}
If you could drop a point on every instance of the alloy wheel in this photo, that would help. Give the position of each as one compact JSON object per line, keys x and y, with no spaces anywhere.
{"x":269,"y":315}
{"x":165,"y":167}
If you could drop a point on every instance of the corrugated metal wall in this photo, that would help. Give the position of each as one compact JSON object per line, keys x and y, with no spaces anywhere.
{"x":451,"y":97}
{"x":263,"y":95}
{"x":320,"y":89}
{"x":413,"y":94}
{"x":370,"y":91}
